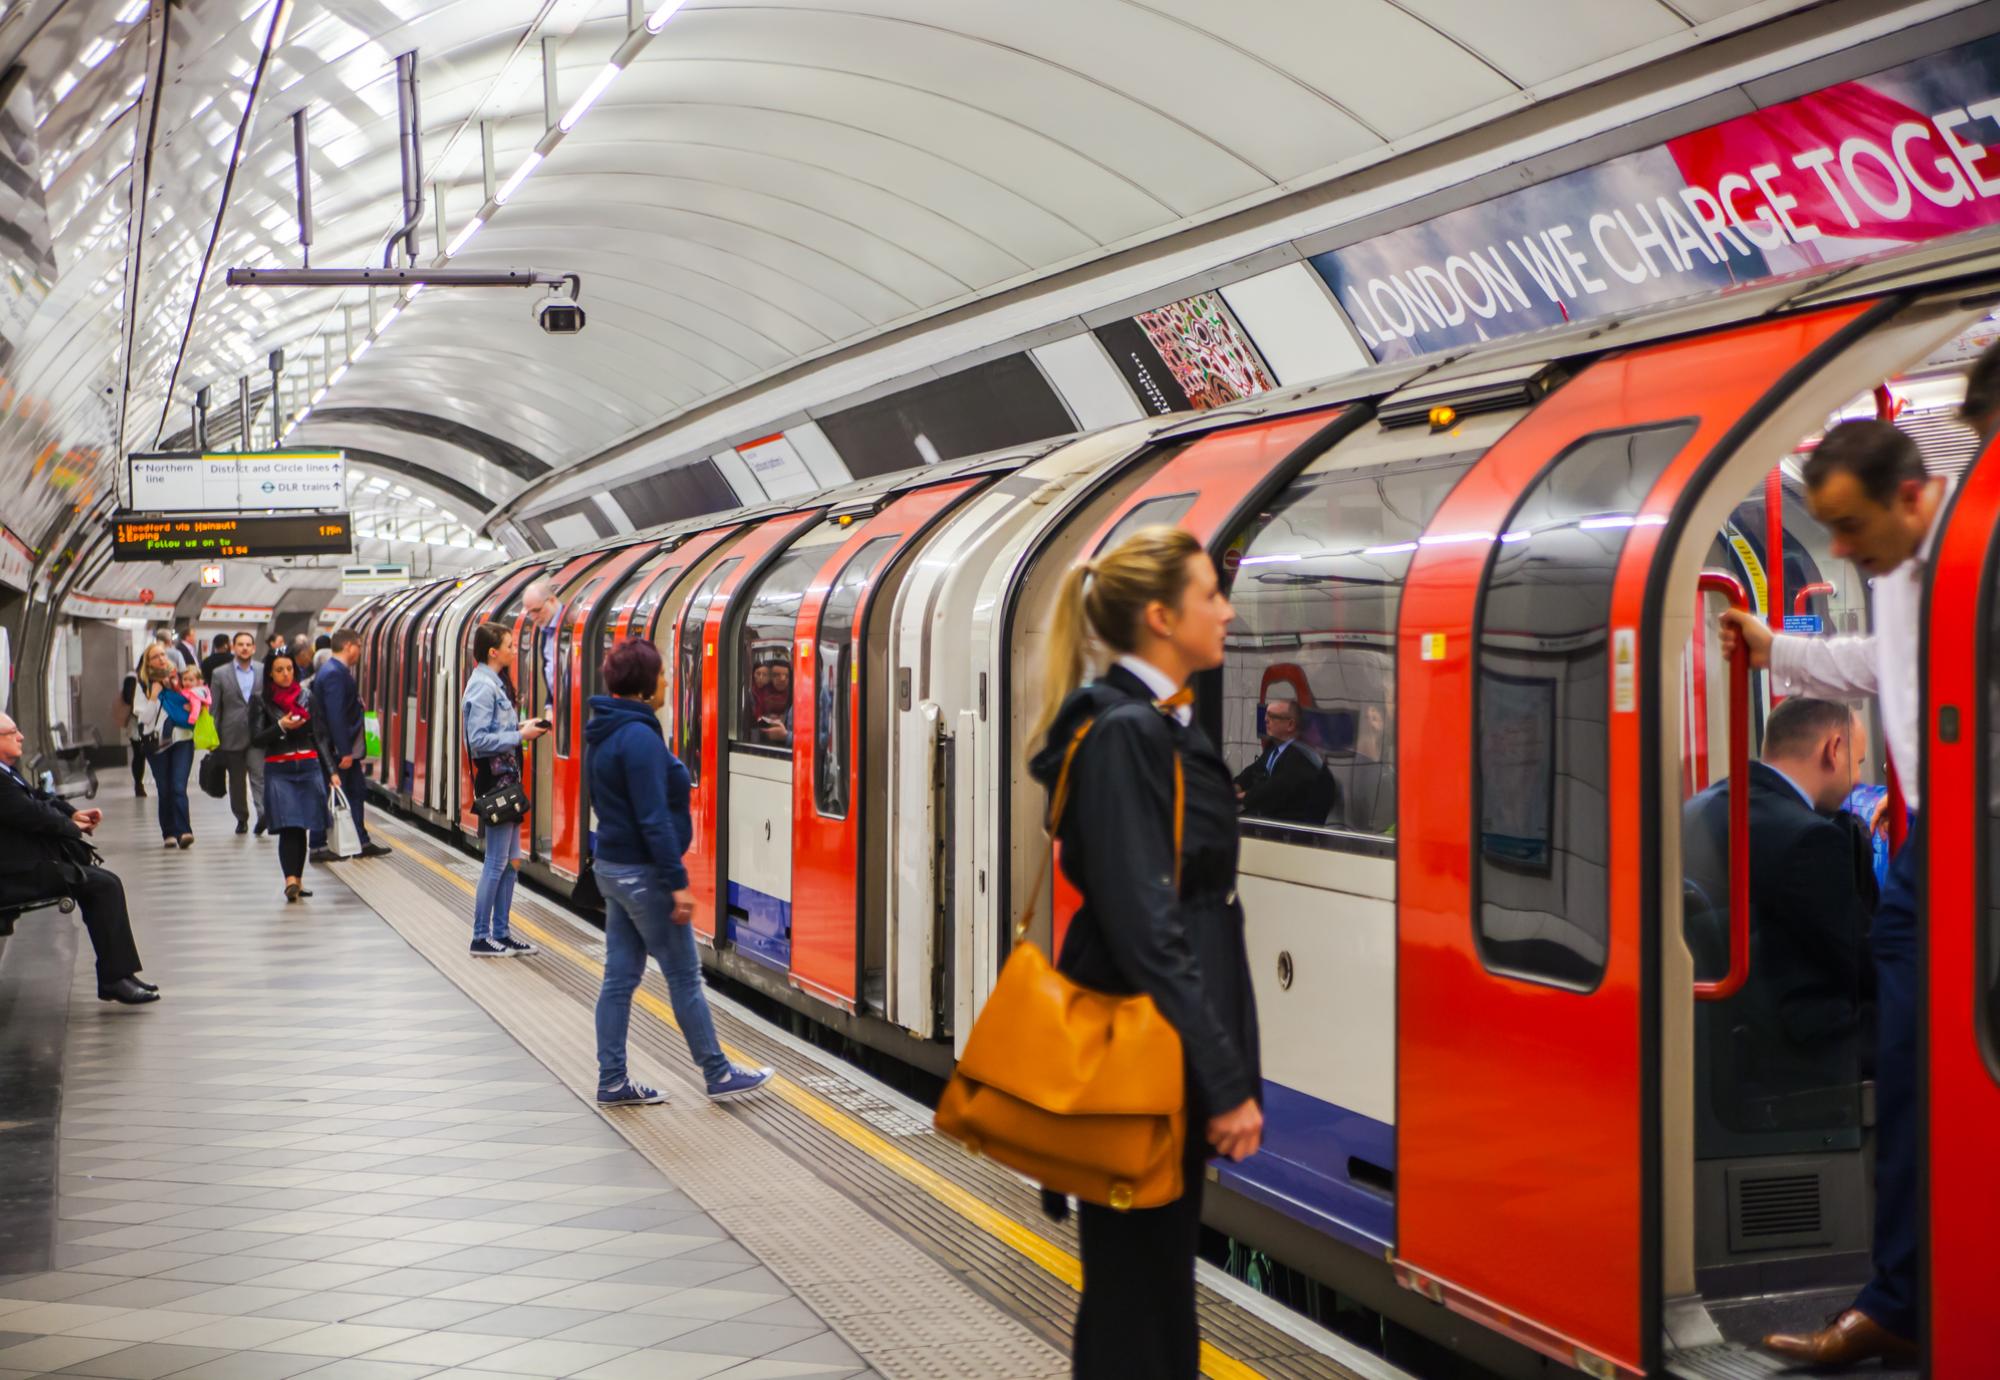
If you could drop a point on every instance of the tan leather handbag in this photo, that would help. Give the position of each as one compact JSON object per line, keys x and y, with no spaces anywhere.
{"x":1080,"y":1090}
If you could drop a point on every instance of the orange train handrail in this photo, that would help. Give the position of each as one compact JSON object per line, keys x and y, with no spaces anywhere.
{"x":1731,"y":982}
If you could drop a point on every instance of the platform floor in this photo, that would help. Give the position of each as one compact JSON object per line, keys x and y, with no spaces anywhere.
{"x":340,"y":1147}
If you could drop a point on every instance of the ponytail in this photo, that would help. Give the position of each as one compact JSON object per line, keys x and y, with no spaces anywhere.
{"x":1062,"y":660}
{"x":1106,"y":598}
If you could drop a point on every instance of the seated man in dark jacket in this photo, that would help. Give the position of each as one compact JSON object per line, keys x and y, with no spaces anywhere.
{"x":1790,"y":1042}
{"x":44,"y":853}
{"x":1288,"y":782}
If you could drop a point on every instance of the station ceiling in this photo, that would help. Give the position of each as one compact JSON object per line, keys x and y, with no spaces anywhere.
{"x":763,"y":182}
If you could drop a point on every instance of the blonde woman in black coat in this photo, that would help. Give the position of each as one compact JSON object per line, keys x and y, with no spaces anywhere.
{"x":1154,"y":602}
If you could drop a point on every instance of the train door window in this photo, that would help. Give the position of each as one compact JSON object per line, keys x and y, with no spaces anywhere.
{"x":687,"y":684}
{"x":763,"y":713}
{"x":1542,"y":694}
{"x":646,"y":617}
{"x":1318,"y":580}
{"x":565,"y":648}
{"x":837,"y":679}
{"x":1164,"y":511}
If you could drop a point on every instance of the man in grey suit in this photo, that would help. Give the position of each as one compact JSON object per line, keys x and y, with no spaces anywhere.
{"x":234,"y":688}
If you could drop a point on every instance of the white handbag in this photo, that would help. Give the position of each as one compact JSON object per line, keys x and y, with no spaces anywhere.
{"x":342,"y":839}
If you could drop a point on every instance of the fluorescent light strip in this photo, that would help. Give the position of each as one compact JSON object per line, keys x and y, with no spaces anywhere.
{"x":361,"y":349}
{"x":657,"y":20}
{"x":598,"y":85}
{"x":513,"y":184}
{"x":458,"y":242}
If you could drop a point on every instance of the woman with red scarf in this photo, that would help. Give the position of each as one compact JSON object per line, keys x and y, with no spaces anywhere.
{"x":294,"y":782}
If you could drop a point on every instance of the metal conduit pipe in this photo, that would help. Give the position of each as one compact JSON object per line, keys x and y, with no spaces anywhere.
{"x":409,"y":112}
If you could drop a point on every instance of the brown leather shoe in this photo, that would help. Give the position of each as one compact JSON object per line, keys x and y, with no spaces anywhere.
{"x":1848,"y":1340}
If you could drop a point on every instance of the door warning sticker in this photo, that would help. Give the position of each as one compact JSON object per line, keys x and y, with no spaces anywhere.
{"x":1433,"y":646}
{"x":1624,"y":670}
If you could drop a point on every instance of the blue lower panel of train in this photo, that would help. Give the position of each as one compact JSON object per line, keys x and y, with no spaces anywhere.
{"x":760,"y":926}
{"x":1330,"y":1168}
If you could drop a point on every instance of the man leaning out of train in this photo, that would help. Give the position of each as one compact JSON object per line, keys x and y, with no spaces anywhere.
{"x":1155,"y":602}
{"x":639,"y":793}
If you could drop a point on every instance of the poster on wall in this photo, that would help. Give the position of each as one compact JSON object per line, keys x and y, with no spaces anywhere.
{"x":1889,"y":160}
{"x":1190,"y":354}
{"x":778,"y":466}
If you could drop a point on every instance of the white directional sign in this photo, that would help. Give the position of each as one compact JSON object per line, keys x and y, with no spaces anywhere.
{"x":249,"y":482}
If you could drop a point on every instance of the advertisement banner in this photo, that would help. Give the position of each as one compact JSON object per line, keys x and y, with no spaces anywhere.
{"x":1889,"y":160}
{"x":1187,"y":354}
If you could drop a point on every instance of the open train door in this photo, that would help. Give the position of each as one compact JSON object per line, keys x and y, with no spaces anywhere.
{"x":1961,"y":926}
{"x":1538,"y":675}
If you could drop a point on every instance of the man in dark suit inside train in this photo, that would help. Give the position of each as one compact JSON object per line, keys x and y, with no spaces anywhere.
{"x":1795,"y":1046}
{"x":1289,"y":782}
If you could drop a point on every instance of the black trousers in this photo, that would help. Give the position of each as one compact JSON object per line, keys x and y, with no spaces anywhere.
{"x":244,"y":769}
{"x":100,"y":899}
{"x":138,"y":766}
{"x":1137,"y":1314}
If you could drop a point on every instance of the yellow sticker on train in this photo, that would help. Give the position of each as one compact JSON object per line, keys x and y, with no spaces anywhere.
{"x":1433,"y":646}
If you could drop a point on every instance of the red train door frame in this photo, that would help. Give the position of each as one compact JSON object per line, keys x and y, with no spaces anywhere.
{"x":708,"y":803}
{"x":533,"y":687}
{"x":1961,"y":1106}
{"x":828,"y":956}
{"x":566,"y":832}
{"x":1529,"y":1191}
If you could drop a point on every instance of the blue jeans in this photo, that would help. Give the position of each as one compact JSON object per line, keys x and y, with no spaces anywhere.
{"x":638,"y":920}
{"x":493,"y":903}
{"x":170,"y":783}
{"x":1894,"y":943}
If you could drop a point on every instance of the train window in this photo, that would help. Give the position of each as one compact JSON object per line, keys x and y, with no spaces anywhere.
{"x":1163,"y":511}
{"x":646,"y":613}
{"x":1318,"y":580}
{"x":1542,"y":695}
{"x":836,"y":677}
{"x":687,"y":684}
{"x":763,"y":716}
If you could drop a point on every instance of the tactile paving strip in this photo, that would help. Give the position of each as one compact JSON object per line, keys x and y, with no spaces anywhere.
{"x":801,"y":1227}
{"x":1724,"y":1362}
{"x":1033,"y":1295}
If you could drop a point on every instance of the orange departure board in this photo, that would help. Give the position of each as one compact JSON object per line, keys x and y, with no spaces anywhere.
{"x":218,"y":537}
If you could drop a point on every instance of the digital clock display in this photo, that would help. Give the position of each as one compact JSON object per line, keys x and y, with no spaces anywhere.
{"x":196,"y":537}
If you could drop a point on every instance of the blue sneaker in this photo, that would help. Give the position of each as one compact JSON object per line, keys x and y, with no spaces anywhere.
{"x":741,"y":1082}
{"x":629,"y":1094}
{"x":486,"y":948}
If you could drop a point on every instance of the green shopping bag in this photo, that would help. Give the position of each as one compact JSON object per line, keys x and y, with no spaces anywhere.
{"x":206,"y":739}
{"x":372,"y":727}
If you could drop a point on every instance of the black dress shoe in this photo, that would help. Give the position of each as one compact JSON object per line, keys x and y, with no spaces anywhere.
{"x":376,"y":850}
{"x":261,"y":831}
{"x":126,"y":992}
{"x":143,"y":983}
{"x":324,"y":855}
{"x":242,"y":827}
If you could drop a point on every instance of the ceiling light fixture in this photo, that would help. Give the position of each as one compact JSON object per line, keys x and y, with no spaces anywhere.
{"x":657,"y":20}
{"x":597,"y":87}
{"x":520,"y":175}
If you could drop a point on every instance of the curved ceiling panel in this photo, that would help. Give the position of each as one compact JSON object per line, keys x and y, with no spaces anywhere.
{"x":764,"y":182}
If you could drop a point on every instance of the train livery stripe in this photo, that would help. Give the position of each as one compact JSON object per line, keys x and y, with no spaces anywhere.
{"x":1023,"y":1240}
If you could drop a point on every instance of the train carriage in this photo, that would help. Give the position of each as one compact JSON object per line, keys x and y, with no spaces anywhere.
{"x":1506,"y":1085}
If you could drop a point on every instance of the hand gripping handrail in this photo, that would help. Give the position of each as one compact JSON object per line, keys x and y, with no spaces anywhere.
{"x":1715,"y":582}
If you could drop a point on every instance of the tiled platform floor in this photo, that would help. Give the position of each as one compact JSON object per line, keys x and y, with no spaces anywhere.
{"x":317,"y":1157}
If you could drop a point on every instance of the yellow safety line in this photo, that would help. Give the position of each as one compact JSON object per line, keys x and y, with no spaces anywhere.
{"x":1216,"y":1364}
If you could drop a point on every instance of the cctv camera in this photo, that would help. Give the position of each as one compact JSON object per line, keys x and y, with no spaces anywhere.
{"x":559,"y":317}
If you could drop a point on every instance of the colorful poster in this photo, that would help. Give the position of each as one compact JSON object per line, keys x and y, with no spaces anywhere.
{"x":1889,"y":160}
{"x":1187,"y":354}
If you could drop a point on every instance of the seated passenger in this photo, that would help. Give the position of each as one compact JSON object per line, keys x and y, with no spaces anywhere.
{"x":1289,"y":782}
{"x":1796,"y":1025}
{"x":771,"y":703}
{"x":45,"y":852}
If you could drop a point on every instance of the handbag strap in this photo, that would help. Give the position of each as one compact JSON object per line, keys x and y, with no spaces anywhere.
{"x":1053,"y":821}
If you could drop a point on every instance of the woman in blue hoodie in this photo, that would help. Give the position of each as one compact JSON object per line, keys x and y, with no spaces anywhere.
{"x":639,"y":794}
